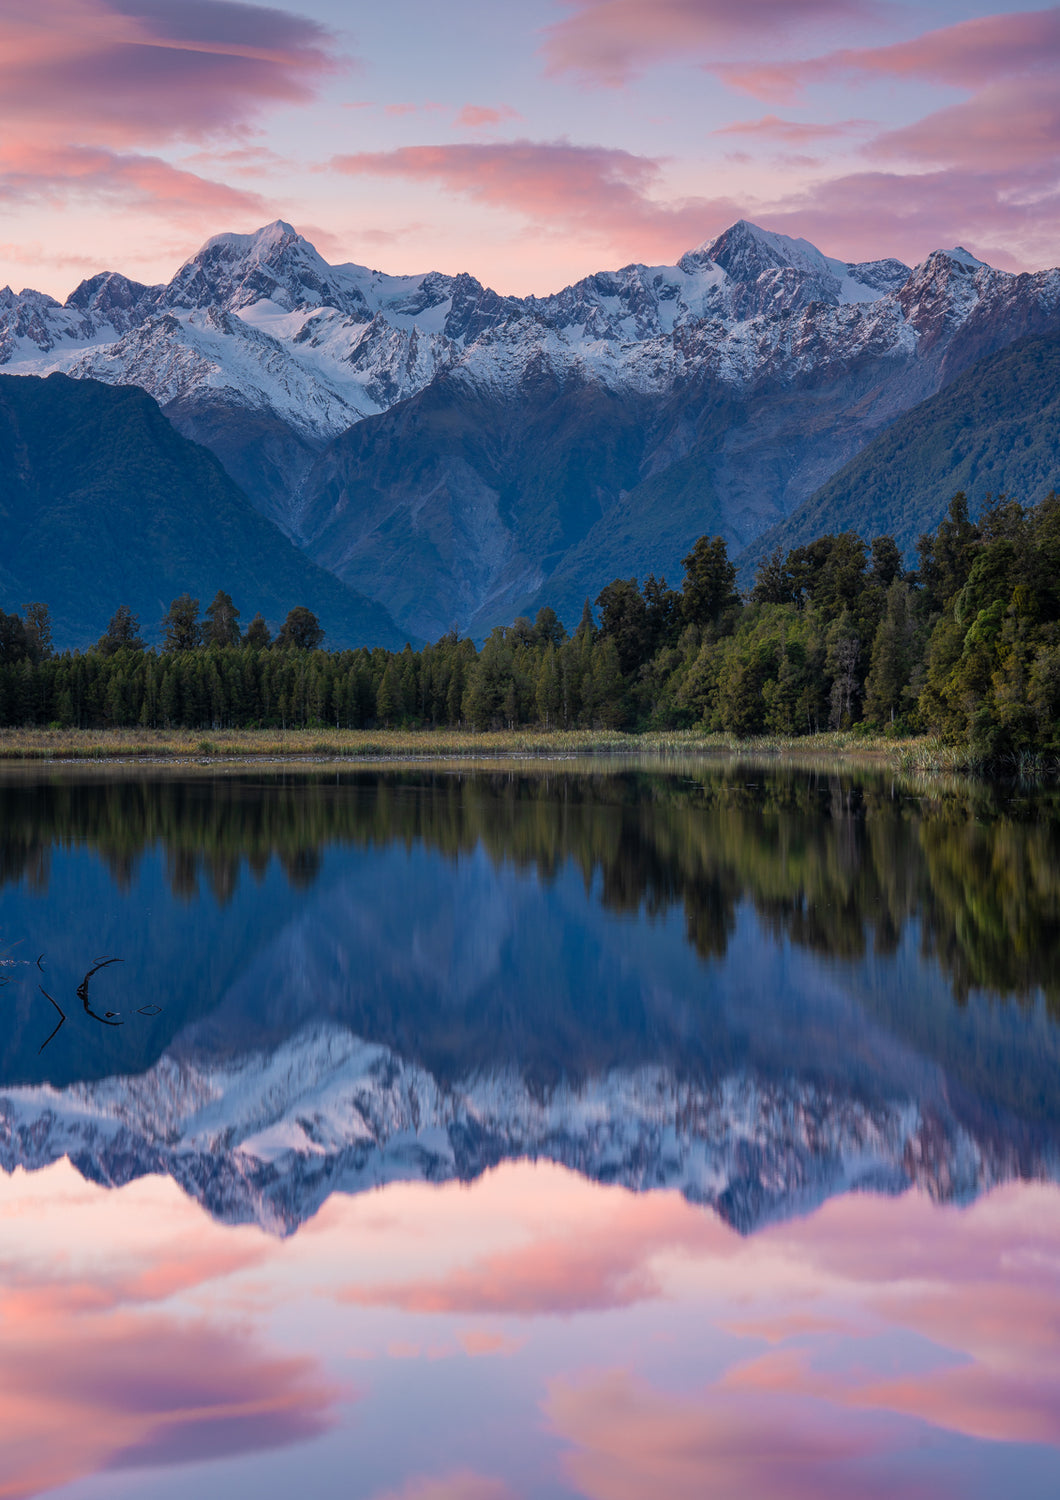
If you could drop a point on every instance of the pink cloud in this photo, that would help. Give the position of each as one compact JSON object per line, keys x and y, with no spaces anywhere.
{"x":1014,"y":123}
{"x":248,"y":161}
{"x":152,"y":70}
{"x":867,"y":214}
{"x":980,"y":1400}
{"x":476,"y":116}
{"x":982,"y":1284}
{"x":478,"y":1342}
{"x":562,"y":188}
{"x":594,"y":1262}
{"x":53,"y":173}
{"x":86,"y":84}
{"x":970,"y":54}
{"x":792,"y":132}
{"x":81,"y":1394}
{"x":413,"y":109}
{"x":778,"y":1329}
{"x":609,"y":40}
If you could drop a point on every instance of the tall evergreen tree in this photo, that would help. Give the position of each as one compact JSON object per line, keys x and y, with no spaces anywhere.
{"x":180,"y":625}
{"x":709,"y":586}
{"x":258,"y":636}
{"x":38,"y":632}
{"x":12,"y":638}
{"x":222,"y":621}
{"x":122,"y":632}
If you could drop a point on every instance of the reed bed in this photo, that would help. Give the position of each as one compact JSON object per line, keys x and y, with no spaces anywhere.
{"x":399,"y":744}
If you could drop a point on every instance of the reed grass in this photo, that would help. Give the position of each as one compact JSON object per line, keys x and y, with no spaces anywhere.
{"x":396,"y":744}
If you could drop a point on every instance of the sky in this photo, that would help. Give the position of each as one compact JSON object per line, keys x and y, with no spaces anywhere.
{"x":528,"y":144}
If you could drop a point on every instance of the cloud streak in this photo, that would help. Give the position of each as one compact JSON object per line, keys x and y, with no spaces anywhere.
{"x":792,"y":132}
{"x":598,"y":191}
{"x":152,"y":70}
{"x":629,"y":1440}
{"x":600,"y":1259}
{"x":56,"y":173}
{"x":609,"y":41}
{"x":86,"y":85}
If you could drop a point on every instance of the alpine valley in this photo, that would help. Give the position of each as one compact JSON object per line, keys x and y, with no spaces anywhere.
{"x":458,"y":457}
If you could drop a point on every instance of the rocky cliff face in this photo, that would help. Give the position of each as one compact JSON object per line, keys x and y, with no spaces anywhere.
{"x":751,"y":371}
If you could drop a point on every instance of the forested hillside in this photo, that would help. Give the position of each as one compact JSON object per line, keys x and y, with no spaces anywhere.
{"x":995,"y":430}
{"x":101,"y":499}
{"x":835,"y":634}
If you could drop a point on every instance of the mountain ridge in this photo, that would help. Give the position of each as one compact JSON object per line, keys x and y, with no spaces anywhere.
{"x":756,"y":367}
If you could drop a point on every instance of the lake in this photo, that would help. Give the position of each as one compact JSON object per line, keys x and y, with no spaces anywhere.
{"x":608,"y":1129}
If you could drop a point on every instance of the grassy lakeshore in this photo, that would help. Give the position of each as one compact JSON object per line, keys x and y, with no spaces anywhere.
{"x":177,"y":745}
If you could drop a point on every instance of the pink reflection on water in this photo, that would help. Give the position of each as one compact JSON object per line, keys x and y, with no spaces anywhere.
{"x":630,"y":1440}
{"x":95,"y":1375}
{"x":644,"y":1347}
{"x":461,"y":1486}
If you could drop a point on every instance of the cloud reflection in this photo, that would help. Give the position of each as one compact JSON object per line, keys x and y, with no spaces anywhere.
{"x":630,"y":1440}
{"x":601,"y":1261}
{"x":464,"y":1485}
{"x":971,"y":1295}
{"x":92,"y":1378}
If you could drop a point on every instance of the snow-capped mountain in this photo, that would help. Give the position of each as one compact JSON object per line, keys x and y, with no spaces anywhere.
{"x":264,"y":318}
{"x":747,"y":373}
{"x":266,"y":1137}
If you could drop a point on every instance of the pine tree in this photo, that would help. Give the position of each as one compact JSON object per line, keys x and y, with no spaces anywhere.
{"x":123,"y":632}
{"x":547,"y":693}
{"x":258,"y":636}
{"x":388,"y":704}
{"x":38,"y":632}
{"x":892,"y":657}
{"x":180,"y":626}
{"x":709,"y":587}
{"x":222,"y":627}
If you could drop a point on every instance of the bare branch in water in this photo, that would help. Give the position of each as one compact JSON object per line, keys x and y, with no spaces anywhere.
{"x":82,"y":993}
{"x":62,"y":1018}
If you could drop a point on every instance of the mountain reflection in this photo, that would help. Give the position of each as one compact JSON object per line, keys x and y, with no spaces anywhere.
{"x":731,"y":980}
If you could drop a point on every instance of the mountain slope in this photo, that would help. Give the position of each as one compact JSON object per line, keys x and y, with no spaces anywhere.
{"x":453,"y":504}
{"x":518,"y":450}
{"x":103,"y":503}
{"x":994,"y":430}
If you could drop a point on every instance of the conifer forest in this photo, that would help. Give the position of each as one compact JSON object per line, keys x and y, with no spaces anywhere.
{"x":833,"y":635}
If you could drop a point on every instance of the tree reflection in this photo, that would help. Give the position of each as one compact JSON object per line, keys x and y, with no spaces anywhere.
{"x":837,"y":862}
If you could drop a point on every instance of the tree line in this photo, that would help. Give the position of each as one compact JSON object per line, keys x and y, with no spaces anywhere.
{"x":836,"y":634}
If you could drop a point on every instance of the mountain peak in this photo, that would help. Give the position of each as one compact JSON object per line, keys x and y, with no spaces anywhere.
{"x":772,"y":272}
{"x":958,"y":256}
{"x":745,"y":250}
{"x":966,"y":258}
{"x":274,"y":263}
{"x":268,"y":238}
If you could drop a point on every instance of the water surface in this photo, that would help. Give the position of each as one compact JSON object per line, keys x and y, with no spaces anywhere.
{"x":550,"y":1129}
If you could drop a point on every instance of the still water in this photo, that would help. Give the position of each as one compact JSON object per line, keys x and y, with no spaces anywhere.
{"x":559,"y":1129}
